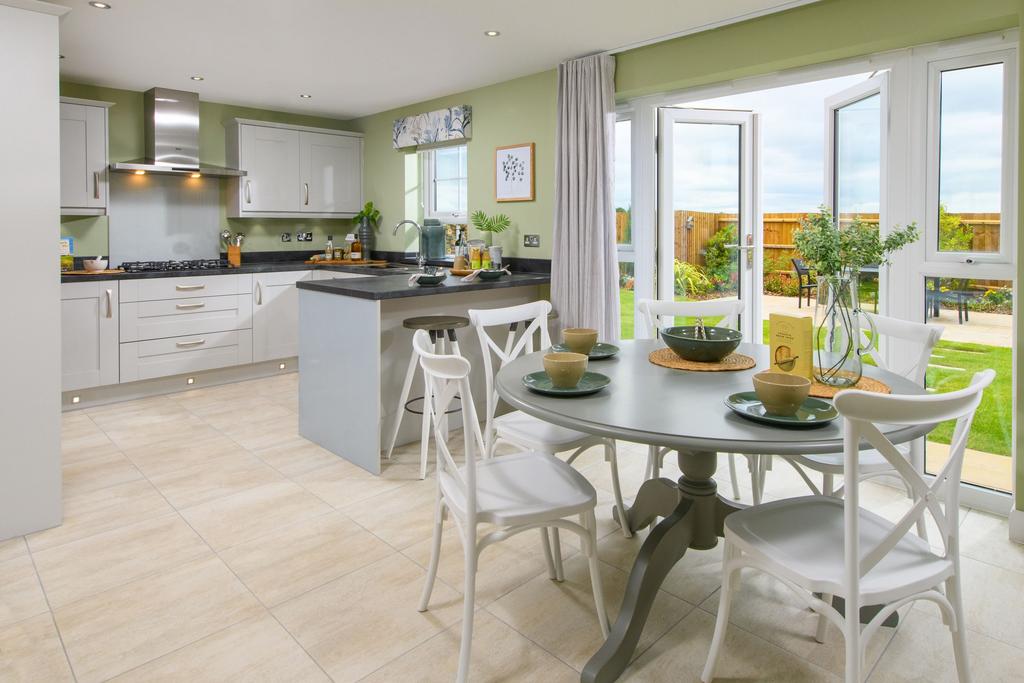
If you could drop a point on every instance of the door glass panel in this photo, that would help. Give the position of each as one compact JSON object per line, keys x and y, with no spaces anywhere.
{"x":706,"y":205}
{"x":977,"y":316}
{"x":623,"y":194}
{"x":970,"y":159}
{"x":858,"y":176}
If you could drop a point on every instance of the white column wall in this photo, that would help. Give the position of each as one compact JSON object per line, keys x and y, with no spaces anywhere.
{"x":30,"y":483}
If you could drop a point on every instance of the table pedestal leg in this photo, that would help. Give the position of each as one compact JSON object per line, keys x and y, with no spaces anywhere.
{"x":693,"y":516}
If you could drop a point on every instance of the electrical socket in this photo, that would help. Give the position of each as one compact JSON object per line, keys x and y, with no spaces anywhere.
{"x":286,"y":237}
{"x":531,"y":240}
{"x":304,"y":236}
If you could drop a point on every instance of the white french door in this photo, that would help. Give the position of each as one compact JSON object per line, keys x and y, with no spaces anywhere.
{"x":709,"y":218}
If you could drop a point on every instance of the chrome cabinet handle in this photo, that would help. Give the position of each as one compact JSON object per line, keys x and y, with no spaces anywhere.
{"x":196,"y":342}
{"x":185,"y":307}
{"x":95,"y":184}
{"x":248,"y":192}
{"x":259,"y":294}
{"x":188,"y":288}
{"x":305,"y":186}
{"x":110,"y":303}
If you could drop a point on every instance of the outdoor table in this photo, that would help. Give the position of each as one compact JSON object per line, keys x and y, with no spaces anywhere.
{"x":684,"y":411}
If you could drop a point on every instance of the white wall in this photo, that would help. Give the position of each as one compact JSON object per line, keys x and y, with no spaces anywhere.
{"x":30,"y":484}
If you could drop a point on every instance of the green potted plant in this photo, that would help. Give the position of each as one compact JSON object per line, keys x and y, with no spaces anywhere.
{"x":489,"y":225}
{"x":368,"y":219}
{"x":838,"y":253}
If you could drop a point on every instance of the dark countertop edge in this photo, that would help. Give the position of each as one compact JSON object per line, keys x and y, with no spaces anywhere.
{"x":275,"y":267}
{"x":397,"y":286}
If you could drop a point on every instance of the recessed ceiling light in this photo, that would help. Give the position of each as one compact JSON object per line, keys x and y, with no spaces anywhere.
{"x":99,"y":5}
{"x":492,"y":34}
{"x":305,"y":97}
{"x":197,"y":78}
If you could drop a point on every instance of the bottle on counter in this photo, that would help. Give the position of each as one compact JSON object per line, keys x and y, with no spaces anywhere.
{"x":356,"y":253}
{"x":329,"y":249}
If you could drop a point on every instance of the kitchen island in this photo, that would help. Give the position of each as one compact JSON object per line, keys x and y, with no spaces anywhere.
{"x":354,"y":351}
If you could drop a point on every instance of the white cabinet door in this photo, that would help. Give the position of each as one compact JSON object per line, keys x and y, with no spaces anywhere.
{"x":83,"y":156}
{"x":331,"y":172}
{"x":89,"y":343}
{"x":275,"y":316}
{"x":271,"y":158}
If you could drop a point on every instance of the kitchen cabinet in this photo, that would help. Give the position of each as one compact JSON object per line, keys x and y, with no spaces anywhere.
{"x":294,"y":171}
{"x":275,"y":316}
{"x":83,"y":157}
{"x":89,"y":334}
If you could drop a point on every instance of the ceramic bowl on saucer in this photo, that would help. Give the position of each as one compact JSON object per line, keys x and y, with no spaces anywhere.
{"x":579,"y":339}
{"x":492,"y":274}
{"x":781,"y":393}
{"x":431,"y":280}
{"x":718,"y":342}
{"x":95,"y":264}
{"x":565,"y":368}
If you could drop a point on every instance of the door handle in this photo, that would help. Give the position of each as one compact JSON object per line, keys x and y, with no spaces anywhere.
{"x":259,"y":294}
{"x":305,"y":187}
{"x":248,"y":192}
{"x":185,"y":307}
{"x":196,"y":342}
{"x":110,"y":303}
{"x":189,"y":288}
{"x":739,"y":246}
{"x":95,"y":184}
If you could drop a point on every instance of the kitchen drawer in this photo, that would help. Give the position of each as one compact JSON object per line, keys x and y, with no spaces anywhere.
{"x":181,"y":355}
{"x":159,"y":288}
{"x":142,"y":320}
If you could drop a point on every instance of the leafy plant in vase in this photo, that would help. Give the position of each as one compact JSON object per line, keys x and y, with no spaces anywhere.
{"x":368,"y":219}
{"x":489,"y":225}
{"x":838,"y":253}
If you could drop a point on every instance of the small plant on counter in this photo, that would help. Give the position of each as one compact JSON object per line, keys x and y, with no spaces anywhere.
{"x":370,"y":215}
{"x":492,"y":224}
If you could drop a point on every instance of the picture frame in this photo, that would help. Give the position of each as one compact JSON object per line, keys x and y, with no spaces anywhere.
{"x":514,"y":173}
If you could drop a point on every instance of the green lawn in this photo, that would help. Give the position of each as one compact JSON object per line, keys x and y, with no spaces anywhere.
{"x":959,"y":361}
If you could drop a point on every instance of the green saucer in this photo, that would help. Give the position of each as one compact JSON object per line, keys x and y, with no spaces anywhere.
{"x":600,"y":351}
{"x":813,"y":413}
{"x":590,"y":383}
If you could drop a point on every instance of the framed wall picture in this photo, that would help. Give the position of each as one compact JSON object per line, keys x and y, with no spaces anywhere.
{"x":513,"y":173}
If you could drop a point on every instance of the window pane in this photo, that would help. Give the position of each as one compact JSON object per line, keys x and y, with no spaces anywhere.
{"x":623,"y":182}
{"x":970,"y":158}
{"x":448,"y":163}
{"x":446,"y":196}
{"x":858,"y":173}
{"x":977,"y":316}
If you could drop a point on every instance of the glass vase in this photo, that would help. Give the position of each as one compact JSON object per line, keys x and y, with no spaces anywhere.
{"x":839,"y":342}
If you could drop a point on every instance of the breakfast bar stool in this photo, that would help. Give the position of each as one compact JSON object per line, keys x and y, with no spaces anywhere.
{"x":441,"y":328}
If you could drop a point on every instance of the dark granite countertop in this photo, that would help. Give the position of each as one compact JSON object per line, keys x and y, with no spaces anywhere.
{"x":270,"y":267}
{"x":397,"y":286}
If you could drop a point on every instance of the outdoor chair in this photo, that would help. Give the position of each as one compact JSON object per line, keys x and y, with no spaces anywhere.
{"x":803,"y":278}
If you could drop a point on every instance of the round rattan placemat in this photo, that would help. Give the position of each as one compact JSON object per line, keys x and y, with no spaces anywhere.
{"x":667,"y":358}
{"x":819,"y":390}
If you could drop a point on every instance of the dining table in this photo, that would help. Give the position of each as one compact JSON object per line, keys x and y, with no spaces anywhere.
{"x":684,"y":411}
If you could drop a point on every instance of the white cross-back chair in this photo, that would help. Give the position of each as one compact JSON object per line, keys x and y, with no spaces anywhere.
{"x":657,"y":314}
{"x":522,"y":325}
{"x":920,"y":340}
{"x":830,"y":546}
{"x":507,"y":495}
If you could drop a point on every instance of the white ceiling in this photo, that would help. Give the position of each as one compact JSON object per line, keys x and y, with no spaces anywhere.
{"x":357,"y":57}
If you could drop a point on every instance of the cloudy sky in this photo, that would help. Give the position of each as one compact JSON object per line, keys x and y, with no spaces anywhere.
{"x":792,"y":121}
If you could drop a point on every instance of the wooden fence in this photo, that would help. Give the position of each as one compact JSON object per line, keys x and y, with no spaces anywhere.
{"x":693,"y":229}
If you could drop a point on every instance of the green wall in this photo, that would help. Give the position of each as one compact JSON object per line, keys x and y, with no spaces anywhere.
{"x":127,"y":142}
{"x":522,"y":110}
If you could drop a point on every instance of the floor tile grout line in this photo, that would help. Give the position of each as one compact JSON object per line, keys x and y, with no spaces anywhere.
{"x":53,"y":615}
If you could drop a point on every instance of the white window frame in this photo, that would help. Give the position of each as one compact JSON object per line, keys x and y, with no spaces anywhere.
{"x":964,"y":57}
{"x":429,"y":210}
{"x":905,"y":201}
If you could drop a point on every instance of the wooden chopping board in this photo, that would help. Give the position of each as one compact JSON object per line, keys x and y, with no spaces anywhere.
{"x":348,"y":262}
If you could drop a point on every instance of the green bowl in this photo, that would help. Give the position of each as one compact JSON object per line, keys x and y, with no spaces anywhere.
{"x":491,"y":274}
{"x":720,"y":342}
{"x":431,"y":280}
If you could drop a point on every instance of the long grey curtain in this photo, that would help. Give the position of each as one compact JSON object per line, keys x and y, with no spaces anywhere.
{"x":584,"y":268}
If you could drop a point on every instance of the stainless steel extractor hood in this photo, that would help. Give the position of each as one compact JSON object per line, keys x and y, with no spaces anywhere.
{"x":172,"y":138}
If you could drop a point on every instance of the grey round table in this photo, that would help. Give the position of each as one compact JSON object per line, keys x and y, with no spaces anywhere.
{"x":685,"y":411}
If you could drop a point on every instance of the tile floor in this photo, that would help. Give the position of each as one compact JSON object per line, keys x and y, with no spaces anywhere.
{"x":204,"y":540}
